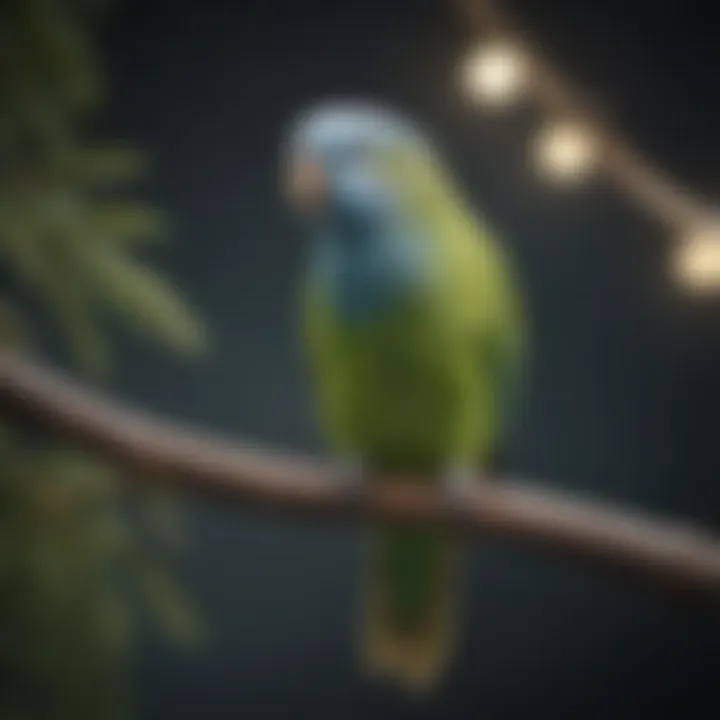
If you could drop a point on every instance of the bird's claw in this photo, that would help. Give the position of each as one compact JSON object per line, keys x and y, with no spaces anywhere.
{"x":352,"y":475}
{"x":459,"y":485}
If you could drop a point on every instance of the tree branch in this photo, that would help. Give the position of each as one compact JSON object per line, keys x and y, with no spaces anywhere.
{"x":684,"y":559}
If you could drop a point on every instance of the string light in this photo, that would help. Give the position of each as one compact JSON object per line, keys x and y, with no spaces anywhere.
{"x":498,"y":72}
{"x":697,"y":260}
{"x":565,"y":152}
{"x":495,"y":74}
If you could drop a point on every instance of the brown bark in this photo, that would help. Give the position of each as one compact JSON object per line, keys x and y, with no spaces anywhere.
{"x":681,"y":558}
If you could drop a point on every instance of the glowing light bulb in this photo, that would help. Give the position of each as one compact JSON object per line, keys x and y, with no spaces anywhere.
{"x":495,"y":74}
{"x":565,"y":152}
{"x":697,"y":260}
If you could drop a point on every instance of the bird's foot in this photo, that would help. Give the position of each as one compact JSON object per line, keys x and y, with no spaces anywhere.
{"x":459,"y":484}
{"x":352,"y":474}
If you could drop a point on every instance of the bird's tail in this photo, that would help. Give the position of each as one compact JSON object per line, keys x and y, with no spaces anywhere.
{"x":409,"y":613}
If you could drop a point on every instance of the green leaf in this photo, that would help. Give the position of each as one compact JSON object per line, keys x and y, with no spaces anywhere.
{"x":161,"y":508}
{"x":115,"y":620}
{"x":127,"y":224}
{"x":110,"y":164}
{"x":144,"y":299}
{"x":77,"y":317}
{"x":59,"y":53}
{"x":43,"y":270}
{"x":168,"y":603}
{"x":13,"y":330}
{"x":68,"y":550}
{"x":6,"y":439}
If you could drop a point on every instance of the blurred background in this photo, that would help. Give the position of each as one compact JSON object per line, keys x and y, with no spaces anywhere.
{"x":143,"y":247}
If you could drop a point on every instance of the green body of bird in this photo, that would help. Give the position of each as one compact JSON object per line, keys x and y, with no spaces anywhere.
{"x":414,"y":334}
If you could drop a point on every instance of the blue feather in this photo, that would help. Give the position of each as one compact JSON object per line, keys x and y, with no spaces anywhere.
{"x":368,"y":254}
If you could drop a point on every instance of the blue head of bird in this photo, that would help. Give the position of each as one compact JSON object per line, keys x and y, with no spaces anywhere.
{"x":351,"y":171}
{"x":332,"y":142}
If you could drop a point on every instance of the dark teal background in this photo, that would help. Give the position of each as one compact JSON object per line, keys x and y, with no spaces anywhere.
{"x":625,"y":383}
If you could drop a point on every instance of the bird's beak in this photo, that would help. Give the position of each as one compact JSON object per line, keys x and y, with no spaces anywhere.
{"x":304,"y":184}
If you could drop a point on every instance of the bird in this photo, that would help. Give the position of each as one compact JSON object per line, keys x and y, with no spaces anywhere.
{"x":414,"y":335}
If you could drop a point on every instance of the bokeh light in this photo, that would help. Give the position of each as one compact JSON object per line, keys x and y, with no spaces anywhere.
{"x":697,"y":260}
{"x":495,"y":74}
{"x":565,"y":152}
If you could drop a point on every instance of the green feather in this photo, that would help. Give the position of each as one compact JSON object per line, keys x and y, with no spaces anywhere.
{"x":420,"y":389}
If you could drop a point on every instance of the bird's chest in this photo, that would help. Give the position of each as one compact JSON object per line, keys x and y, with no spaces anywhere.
{"x":384,"y":331}
{"x":368,"y":283}
{"x":396,"y":389}
{"x":396,"y":363}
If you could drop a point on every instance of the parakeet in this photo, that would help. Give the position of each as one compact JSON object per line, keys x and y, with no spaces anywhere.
{"x":414,"y":332}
